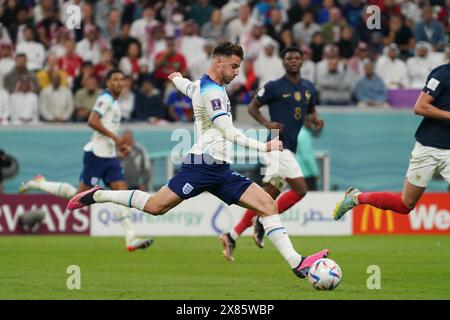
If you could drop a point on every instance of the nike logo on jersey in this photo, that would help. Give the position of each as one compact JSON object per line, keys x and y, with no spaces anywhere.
{"x":286,"y":95}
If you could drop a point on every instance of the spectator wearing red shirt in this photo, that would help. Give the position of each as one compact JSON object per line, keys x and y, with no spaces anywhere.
{"x":70,"y":62}
{"x":101,"y":68}
{"x":168,"y":61}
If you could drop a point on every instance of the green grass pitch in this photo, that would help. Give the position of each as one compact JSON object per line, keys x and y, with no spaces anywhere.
{"x":34,"y":267}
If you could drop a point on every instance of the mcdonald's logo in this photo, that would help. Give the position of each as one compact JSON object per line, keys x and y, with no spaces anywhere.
{"x":377,"y":218}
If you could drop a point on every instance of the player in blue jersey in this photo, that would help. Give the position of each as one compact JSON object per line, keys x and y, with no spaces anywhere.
{"x":291,"y":99}
{"x":100,"y":160}
{"x":207,"y":166}
{"x":431,"y":153}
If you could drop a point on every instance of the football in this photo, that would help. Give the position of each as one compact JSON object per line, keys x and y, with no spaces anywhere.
{"x":325,"y":274}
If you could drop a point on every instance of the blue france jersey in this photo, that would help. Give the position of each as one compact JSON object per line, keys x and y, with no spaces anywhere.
{"x":432,"y":132}
{"x":289,"y":103}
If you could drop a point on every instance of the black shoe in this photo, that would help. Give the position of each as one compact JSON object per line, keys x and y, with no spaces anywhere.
{"x":258,"y":233}
{"x":228,"y":245}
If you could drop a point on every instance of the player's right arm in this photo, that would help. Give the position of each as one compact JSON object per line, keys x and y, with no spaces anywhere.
{"x":94,"y":121}
{"x":185,"y":86}
{"x":424,"y":107}
{"x":263,"y":97}
{"x":434,"y":86}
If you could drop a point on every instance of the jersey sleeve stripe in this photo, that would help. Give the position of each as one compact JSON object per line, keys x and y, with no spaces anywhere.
{"x":99,"y":112}
{"x":214,"y":117}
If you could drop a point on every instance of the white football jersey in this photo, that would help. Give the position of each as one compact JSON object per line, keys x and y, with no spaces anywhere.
{"x":209,"y":101}
{"x":109,"y":111}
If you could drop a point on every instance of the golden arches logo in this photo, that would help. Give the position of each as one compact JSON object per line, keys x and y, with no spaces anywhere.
{"x":377,"y":219}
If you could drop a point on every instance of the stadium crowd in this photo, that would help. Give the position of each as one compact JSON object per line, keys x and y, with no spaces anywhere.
{"x":50,"y":72}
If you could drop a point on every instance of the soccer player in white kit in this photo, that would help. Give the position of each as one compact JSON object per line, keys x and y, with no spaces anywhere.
{"x":290,"y":100}
{"x":207,"y":166}
{"x":100,"y":161}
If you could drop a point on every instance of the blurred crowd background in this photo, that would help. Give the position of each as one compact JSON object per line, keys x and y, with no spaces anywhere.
{"x":50,"y":73}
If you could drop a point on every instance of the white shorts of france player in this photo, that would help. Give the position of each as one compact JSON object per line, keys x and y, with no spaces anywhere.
{"x":279,"y":166}
{"x":425,"y":162}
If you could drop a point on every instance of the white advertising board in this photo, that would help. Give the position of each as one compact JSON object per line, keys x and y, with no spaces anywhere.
{"x":206,"y":215}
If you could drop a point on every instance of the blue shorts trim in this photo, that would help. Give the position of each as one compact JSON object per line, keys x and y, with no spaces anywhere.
{"x":200,"y":173}
{"x":96,"y":168}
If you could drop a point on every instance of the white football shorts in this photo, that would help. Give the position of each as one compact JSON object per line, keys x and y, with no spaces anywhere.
{"x":279,"y":166}
{"x":425,"y":162}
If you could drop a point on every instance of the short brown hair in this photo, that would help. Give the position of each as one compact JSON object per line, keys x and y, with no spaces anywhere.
{"x":228,"y":49}
{"x":112,"y":72}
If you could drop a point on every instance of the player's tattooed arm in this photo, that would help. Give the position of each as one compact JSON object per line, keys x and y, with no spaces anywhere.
{"x":425,"y":108}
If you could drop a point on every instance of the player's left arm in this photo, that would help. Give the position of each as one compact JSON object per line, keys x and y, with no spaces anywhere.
{"x":215,"y":105}
{"x":315,"y":119}
{"x":232,"y":134}
{"x":313,"y":115}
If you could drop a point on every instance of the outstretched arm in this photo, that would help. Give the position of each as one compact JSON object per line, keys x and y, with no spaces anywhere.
{"x":185,"y":86}
{"x":225,"y":125}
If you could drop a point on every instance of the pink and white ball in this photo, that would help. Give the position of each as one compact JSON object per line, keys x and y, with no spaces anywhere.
{"x":325,"y":274}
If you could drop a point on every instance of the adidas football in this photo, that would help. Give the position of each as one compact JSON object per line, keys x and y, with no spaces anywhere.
{"x":325,"y":274}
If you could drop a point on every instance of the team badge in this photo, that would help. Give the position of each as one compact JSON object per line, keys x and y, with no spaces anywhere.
{"x":187,"y":188}
{"x":216,"y":105}
{"x":297,"y":95}
{"x":307,"y":95}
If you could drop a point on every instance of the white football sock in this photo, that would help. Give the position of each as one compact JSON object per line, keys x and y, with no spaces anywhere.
{"x":279,"y":237}
{"x":60,"y":189}
{"x":128,"y":198}
{"x":123,"y":215}
{"x":234,"y":235}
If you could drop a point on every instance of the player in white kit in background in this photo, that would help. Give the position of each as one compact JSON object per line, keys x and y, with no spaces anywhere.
{"x":100,"y":161}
